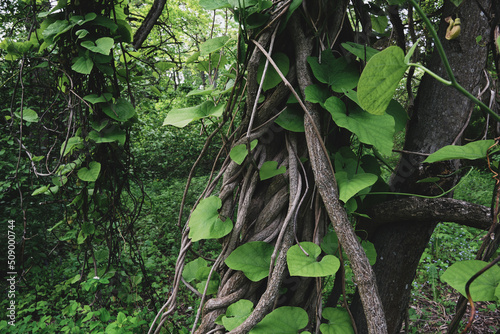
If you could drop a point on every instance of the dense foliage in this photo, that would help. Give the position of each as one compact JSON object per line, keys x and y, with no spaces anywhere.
{"x":102,"y":131}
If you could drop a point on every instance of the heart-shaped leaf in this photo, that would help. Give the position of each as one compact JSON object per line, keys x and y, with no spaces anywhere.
{"x":350,"y":187}
{"x":253,"y":258}
{"x":336,"y":72}
{"x":483,"y":288}
{"x":283,"y":320}
{"x":198,"y":270}
{"x":270,"y":169}
{"x":122,"y":110}
{"x":237,"y":313}
{"x":317,"y":94}
{"x":380,"y":78}
{"x":83,"y":65}
{"x":339,"y":321}
{"x":102,"y":45}
{"x":301,"y":264}
{"x":90,"y":174}
{"x":205,"y":222}
{"x":376,"y":130}
{"x":361,"y":51}
{"x":182,"y":117}
{"x":240,"y":152}
{"x":471,"y":151}
{"x":291,"y":119}
{"x":213,"y":45}
{"x":330,"y":243}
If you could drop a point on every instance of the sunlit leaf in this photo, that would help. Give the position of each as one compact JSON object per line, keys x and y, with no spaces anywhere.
{"x":102,"y":45}
{"x":205,"y":222}
{"x":301,"y":264}
{"x":283,"y":320}
{"x":380,"y":78}
{"x":122,"y":110}
{"x":270,"y":169}
{"x":339,"y":321}
{"x":213,"y":44}
{"x":83,"y":65}
{"x":483,"y":288}
{"x":350,"y":187}
{"x":252,"y":258}
{"x":182,"y":117}
{"x":471,"y":151}
{"x":90,"y":174}
{"x":240,"y":152}
{"x":237,"y":313}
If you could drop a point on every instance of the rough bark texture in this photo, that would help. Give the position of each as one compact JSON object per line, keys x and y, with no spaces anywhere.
{"x":440,"y":113}
{"x":148,"y":23}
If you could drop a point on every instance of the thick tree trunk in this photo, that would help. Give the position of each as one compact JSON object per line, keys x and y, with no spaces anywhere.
{"x":439,"y":116}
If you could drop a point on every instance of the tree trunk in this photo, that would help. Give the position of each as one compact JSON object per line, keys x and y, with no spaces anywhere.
{"x":439,"y":116}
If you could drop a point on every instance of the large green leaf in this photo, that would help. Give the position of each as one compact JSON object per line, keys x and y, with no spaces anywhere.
{"x":83,"y":65}
{"x":252,"y":258}
{"x":272,"y":78}
{"x":379,"y":23}
{"x":283,"y":320}
{"x":483,"y":288}
{"x":198,"y":270}
{"x":29,"y":115}
{"x":214,"y":4}
{"x":317,"y":94}
{"x":301,"y":264}
{"x":361,"y":51}
{"x":109,"y":135}
{"x":90,"y":174}
{"x":291,"y":119}
{"x":213,"y":45}
{"x":237,"y":313}
{"x":182,"y":117}
{"x":205,"y":222}
{"x":475,"y":150}
{"x":240,"y":152}
{"x":376,"y":130}
{"x":102,"y":45}
{"x":380,"y":78}
{"x":270,"y":169}
{"x":348,"y":187}
{"x":339,"y":321}
{"x":330,"y":243}
{"x":336,"y":72}
{"x":72,"y":144}
{"x":122,"y":110}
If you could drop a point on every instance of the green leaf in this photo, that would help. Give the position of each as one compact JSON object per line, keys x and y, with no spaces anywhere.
{"x":376,"y":130}
{"x":122,"y":110}
{"x":198,"y":270}
{"x":291,"y":119}
{"x":240,"y":152}
{"x":202,"y":92}
{"x":379,"y":23}
{"x":317,"y":94}
{"x":360,"y":51}
{"x":350,"y":187}
{"x":301,"y":264}
{"x":94,"y":98}
{"x":109,"y":135}
{"x":73,"y":143}
{"x":214,"y":4}
{"x":330,"y":243}
{"x":272,"y":78}
{"x":457,"y":2}
{"x":483,"y":288}
{"x":252,"y":258}
{"x":90,"y":174}
{"x":237,"y":313}
{"x":102,"y":45}
{"x":60,"y":180}
{"x":339,"y":321}
{"x":270,"y":169}
{"x":380,"y":78}
{"x":475,"y":150}
{"x":410,"y":52}
{"x":205,"y":222}
{"x":182,"y":117}
{"x":83,"y":65}
{"x":40,"y":190}
{"x":29,"y":115}
{"x":370,"y":251}
{"x":213,"y":45}
{"x":396,"y":110}
{"x":336,"y":72}
{"x":283,"y":320}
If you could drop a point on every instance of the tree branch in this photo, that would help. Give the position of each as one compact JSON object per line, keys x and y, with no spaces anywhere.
{"x":148,"y":23}
{"x":429,"y":209}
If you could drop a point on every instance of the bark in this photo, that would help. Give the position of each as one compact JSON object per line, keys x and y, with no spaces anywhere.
{"x":440,"y":113}
{"x":148,"y":23}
